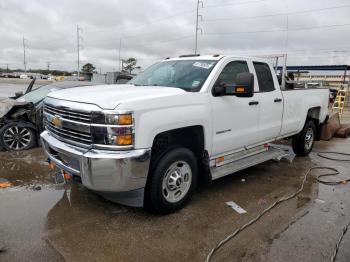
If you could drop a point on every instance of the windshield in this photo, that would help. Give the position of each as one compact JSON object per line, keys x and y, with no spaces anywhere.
{"x":189,"y":75}
{"x":37,"y":95}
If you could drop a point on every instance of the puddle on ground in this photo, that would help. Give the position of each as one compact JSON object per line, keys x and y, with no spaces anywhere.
{"x":58,"y":222}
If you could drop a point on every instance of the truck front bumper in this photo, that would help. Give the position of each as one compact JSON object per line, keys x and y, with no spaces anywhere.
{"x":106,"y":172}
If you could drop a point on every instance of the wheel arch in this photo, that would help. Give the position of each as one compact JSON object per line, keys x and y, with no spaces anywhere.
{"x":191,"y":137}
{"x":314,"y":114}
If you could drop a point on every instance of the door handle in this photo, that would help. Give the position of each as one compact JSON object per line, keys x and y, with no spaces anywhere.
{"x":277,"y":100}
{"x":251,"y":103}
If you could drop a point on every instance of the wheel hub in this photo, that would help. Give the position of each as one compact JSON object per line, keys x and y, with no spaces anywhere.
{"x":309,"y":138}
{"x":177,"y":181}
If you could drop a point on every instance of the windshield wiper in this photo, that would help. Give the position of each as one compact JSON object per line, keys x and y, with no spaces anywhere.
{"x":146,"y":85}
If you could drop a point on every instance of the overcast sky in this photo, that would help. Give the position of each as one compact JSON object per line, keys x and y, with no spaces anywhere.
{"x":318,"y":30}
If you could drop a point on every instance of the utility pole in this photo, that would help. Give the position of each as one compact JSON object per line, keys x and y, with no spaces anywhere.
{"x":78,"y":49}
{"x":24,"y":55}
{"x":199,"y":2}
{"x":48,"y":66}
{"x":122,"y":65}
{"x":120,"y":47}
{"x":7,"y":68}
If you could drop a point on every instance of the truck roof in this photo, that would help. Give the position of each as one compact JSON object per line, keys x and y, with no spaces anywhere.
{"x":212,"y":57}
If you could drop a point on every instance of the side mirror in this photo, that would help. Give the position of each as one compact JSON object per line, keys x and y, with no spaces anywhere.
{"x":18,"y":94}
{"x":244,"y":87}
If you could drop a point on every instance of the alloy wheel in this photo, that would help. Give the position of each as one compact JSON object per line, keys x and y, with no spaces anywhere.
{"x":17,"y":138}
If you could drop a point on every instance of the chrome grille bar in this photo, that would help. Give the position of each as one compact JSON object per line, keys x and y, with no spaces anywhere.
{"x":67,"y":134}
{"x":68,"y":114}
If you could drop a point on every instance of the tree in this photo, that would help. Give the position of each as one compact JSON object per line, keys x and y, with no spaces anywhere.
{"x":129,"y":64}
{"x":88,"y":68}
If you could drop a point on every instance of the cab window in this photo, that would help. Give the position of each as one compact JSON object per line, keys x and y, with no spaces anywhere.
{"x":231,"y":70}
{"x":264,"y":76}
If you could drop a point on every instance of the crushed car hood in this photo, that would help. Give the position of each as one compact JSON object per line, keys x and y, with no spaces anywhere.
{"x":110,"y":96}
{"x":6,"y":104}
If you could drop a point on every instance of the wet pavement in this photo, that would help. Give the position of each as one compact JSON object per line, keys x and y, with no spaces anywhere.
{"x":41,"y":221}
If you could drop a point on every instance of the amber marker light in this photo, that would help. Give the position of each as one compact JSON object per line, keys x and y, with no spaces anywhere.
{"x":240,"y":89}
{"x":220,"y":159}
{"x":125,"y":119}
{"x":124,"y":140}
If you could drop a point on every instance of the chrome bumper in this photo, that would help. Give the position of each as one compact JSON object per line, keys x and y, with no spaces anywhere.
{"x":100,"y":170}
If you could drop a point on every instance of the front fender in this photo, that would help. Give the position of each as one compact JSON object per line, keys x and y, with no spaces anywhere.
{"x":151,"y":123}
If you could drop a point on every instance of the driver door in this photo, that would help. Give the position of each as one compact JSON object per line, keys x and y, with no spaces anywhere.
{"x":235,"y":119}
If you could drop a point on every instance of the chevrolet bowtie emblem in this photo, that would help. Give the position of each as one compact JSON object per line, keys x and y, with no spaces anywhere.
{"x":56,"y":121}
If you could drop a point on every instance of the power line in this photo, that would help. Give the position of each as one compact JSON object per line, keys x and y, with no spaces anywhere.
{"x":236,"y":3}
{"x":277,"y":14}
{"x":165,"y":41}
{"x":136,"y":35}
{"x":176,"y":15}
{"x":232,"y":18}
{"x":147,"y":23}
{"x":279,"y":30}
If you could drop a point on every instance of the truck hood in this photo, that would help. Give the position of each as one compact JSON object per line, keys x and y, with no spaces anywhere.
{"x":110,"y":96}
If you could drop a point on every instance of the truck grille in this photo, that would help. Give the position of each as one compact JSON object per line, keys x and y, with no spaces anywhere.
{"x":68,"y":114}
{"x":68,"y":134}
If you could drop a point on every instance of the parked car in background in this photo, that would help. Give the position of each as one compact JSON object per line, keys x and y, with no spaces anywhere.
{"x":21,"y":116}
{"x":23,"y":76}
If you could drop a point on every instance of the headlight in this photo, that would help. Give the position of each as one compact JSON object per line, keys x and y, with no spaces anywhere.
{"x":120,"y":119}
{"x":112,"y":118}
{"x":112,"y":129}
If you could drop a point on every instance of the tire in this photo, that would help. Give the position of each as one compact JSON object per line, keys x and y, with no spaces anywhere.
{"x":304,"y":141}
{"x":17,"y":136}
{"x":172,"y":181}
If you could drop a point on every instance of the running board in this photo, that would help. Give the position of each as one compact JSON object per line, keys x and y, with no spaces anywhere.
{"x":248,"y":161}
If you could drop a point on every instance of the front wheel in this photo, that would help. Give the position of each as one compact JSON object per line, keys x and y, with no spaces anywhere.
{"x":172,"y":181}
{"x":14,"y":136}
{"x":304,"y":141}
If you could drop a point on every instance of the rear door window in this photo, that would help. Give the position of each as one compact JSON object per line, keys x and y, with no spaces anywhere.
{"x":264,"y":75}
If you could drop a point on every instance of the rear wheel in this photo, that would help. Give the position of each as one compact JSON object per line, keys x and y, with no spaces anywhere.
{"x":172,"y":181}
{"x":14,"y":136}
{"x":304,"y":141}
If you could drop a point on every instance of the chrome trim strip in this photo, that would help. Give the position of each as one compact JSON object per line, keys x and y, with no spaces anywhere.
{"x":67,"y":115}
{"x":60,"y":131}
{"x":85,"y":124}
{"x":112,"y":147}
{"x":70,"y":105}
{"x":70,"y":142}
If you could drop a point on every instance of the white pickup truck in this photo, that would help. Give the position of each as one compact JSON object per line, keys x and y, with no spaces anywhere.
{"x":183,"y":120}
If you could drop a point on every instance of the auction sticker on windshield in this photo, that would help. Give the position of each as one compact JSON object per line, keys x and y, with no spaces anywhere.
{"x":203,"y":65}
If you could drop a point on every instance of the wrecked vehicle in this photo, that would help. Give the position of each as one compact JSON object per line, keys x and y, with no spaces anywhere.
{"x":21,"y":116}
{"x":183,"y":120}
